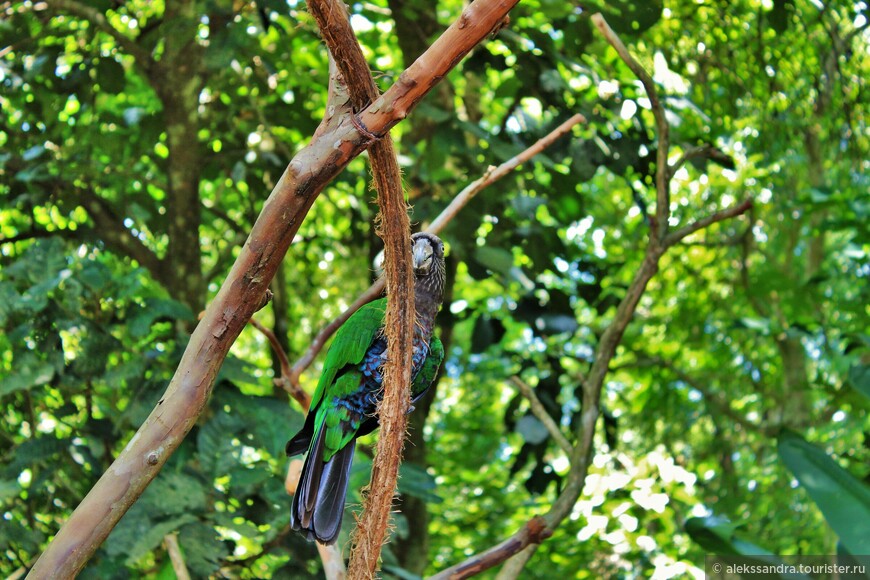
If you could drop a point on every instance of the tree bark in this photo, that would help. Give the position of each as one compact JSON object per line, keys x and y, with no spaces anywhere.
{"x":178,"y":79}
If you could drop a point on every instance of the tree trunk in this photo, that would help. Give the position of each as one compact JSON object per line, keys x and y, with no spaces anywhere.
{"x":178,"y":80}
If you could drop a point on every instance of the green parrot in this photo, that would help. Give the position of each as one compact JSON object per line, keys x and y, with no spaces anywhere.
{"x":345,"y":403}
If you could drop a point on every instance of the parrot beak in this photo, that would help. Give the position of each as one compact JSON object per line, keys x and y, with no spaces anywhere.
{"x":422,"y":253}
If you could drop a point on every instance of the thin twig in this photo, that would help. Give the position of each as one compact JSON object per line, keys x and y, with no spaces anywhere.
{"x":690,"y":153}
{"x":175,"y":555}
{"x":700,"y":224}
{"x":543,"y":416}
{"x":302,"y":397}
{"x":534,"y":532}
{"x":494,"y":174}
{"x":663,"y":130}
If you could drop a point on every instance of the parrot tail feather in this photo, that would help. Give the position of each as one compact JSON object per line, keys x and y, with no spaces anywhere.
{"x":318,"y":505}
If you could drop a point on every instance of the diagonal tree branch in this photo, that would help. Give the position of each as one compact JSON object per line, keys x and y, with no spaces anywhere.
{"x":175,"y":555}
{"x":733,"y":211}
{"x":494,"y":174}
{"x":335,"y":143}
{"x":543,"y":416}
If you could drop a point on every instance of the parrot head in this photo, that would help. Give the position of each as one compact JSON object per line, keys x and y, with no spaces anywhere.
{"x":427,"y":251}
{"x":427,"y":255}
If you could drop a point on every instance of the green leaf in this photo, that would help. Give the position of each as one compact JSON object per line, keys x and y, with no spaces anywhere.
{"x":28,"y":373}
{"x":245,"y":478}
{"x":717,"y":535}
{"x":14,"y":533}
{"x":157,"y":309}
{"x":416,"y":481}
{"x":859,"y":378}
{"x":137,"y":533}
{"x":842,"y":498}
{"x":202,"y":549}
{"x":35,"y":451}
{"x":175,"y":493}
{"x":237,"y":370}
{"x":526,"y":206}
{"x":214,"y":441}
{"x":110,"y":76}
{"x":496,"y":259}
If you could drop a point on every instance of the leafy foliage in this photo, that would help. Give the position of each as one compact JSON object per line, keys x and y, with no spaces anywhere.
{"x":751,"y":327}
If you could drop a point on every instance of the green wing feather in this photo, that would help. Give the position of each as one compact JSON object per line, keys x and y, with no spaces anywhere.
{"x":350,"y":344}
{"x":427,"y":372}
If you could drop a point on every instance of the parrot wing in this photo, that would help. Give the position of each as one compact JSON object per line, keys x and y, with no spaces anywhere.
{"x":350,"y":344}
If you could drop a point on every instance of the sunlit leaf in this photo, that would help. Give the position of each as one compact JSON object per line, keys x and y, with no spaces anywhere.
{"x":843,"y":499}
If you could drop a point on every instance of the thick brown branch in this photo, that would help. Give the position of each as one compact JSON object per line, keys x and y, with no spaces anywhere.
{"x":663,"y":174}
{"x":543,"y":416}
{"x":335,"y":144}
{"x":476,"y":22}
